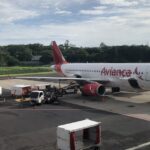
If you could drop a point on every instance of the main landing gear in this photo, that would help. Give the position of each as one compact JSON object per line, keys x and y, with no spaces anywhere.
{"x":115,"y":89}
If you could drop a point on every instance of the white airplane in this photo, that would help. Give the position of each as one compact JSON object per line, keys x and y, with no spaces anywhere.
{"x":95,"y":77}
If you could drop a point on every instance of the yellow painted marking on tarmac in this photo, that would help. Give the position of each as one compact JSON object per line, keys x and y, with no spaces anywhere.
{"x":19,"y":100}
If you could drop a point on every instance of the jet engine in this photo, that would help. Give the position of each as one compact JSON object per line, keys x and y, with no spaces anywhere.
{"x":93,"y":89}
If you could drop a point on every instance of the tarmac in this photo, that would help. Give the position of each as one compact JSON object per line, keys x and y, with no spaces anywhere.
{"x":109,"y":104}
{"x":125,"y":122}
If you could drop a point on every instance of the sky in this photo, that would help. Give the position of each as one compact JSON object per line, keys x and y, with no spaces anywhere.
{"x":84,"y":23}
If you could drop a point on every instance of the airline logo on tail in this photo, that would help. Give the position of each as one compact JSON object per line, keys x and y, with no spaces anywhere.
{"x":57,"y":55}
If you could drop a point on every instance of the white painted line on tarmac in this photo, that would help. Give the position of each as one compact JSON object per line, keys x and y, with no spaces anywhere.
{"x":139,"y":146}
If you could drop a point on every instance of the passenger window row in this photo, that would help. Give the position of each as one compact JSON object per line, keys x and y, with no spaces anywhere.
{"x":84,"y":70}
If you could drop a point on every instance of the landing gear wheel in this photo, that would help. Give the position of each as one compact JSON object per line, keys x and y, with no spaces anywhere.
{"x":115,"y":89}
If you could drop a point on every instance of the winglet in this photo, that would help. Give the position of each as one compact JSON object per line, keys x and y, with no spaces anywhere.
{"x":57,"y":55}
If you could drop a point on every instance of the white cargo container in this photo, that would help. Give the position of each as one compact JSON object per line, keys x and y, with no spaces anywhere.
{"x":20,"y":90}
{"x":79,"y":135}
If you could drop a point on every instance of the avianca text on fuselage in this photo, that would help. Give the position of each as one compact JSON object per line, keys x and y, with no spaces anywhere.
{"x":116,"y":72}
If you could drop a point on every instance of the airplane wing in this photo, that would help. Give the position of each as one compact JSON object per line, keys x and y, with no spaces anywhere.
{"x":66,"y":78}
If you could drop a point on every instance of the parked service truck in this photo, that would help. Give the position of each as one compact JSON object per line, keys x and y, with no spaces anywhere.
{"x":37,"y":97}
{"x":81,"y":135}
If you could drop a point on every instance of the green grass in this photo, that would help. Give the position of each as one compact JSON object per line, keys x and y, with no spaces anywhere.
{"x":10,"y":71}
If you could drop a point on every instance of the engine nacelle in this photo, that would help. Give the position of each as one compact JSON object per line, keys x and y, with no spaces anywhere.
{"x":93,"y":89}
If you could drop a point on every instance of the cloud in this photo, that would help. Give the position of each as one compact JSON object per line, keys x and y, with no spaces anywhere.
{"x":39,"y":4}
{"x":10,"y":13}
{"x":63,"y":12}
{"x":15,"y":10}
{"x":91,"y":12}
{"x":95,"y":11}
{"x":119,"y":2}
{"x":112,"y":31}
{"x":134,"y":17}
{"x":88,"y":23}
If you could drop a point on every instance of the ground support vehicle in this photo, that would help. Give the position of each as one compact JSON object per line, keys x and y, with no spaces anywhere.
{"x":48,"y":95}
{"x":51,"y":95}
{"x":72,"y":88}
{"x":0,"y":91}
{"x":37,"y":97}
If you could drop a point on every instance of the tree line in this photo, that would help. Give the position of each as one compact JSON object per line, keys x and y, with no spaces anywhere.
{"x":13,"y":55}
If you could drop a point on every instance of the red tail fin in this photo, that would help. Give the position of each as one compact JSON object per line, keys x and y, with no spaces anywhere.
{"x":57,"y":55}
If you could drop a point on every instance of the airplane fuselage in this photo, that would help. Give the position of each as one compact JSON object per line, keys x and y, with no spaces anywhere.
{"x":119,"y":74}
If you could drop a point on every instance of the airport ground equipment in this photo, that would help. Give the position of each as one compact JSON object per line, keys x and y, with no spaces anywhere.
{"x":49,"y":95}
{"x":52,"y":94}
{"x":21,"y":90}
{"x":81,"y":135}
{"x":37,"y":97}
{"x":40,"y":87}
{"x":72,"y":88}
{"x":46,"y":93}
{"x":0,"y":91}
